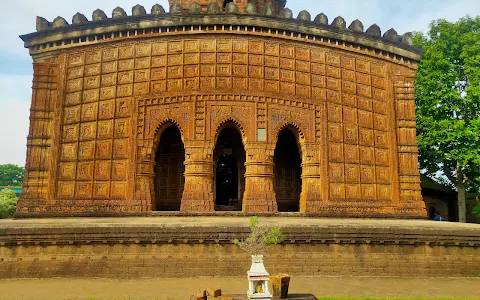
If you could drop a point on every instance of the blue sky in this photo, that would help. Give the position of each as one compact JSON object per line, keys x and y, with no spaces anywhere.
{"x":18,"y":17}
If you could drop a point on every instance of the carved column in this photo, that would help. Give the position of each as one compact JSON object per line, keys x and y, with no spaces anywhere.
{"x":37,"y":184}
{"x":145,"y":176}
{"x":259,"y":189}
{"x":198,"y":189}
{"x":411,"y":202}
{"x":311,"y":194}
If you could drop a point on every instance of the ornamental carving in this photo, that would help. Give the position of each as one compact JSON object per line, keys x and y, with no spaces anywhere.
{"x":347,"y":114}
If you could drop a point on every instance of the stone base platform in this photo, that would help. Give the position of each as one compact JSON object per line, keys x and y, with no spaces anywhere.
{"x":202,"y":246}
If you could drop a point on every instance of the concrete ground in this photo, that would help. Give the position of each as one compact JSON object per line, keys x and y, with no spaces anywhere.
{"x":103,"y":289}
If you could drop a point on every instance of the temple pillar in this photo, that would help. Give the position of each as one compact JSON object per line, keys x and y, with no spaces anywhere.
{"x":259,"y":194}
{"x":311,"y":193}
{"x":39,"y":184}
{"x":198,"y":189}
{"x":145,"y":177}
{"x":410,"y":200}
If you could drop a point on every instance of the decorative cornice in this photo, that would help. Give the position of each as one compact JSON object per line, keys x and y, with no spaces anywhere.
{"x":59,"y":34}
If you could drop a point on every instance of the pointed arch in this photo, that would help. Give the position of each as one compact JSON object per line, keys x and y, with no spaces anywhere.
{"x":294,"y":127}
{"x":230,"y":122}
{"x":229,"y":160}
{"x":157,"y":133}
{"x":288,"y":167}
{"x":169,"y":169}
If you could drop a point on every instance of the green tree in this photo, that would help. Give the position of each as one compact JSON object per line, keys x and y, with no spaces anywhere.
{"x":11,"y":175}
{"x":476,"y":210}
{"x":448,"y":104}
{"x":8,"y":203}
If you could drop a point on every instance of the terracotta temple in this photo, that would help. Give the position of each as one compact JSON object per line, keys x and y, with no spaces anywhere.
{"x":220,"y":106}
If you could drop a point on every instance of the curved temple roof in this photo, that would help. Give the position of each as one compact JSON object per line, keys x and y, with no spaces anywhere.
{"x":60,"y":34}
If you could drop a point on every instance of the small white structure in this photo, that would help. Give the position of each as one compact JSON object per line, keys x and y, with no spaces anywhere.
{"x":258,"y":280}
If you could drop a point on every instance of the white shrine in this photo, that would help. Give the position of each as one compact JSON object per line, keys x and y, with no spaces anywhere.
{"x":258,"y":280}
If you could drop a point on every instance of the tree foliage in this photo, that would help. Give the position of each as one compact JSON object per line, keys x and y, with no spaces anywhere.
{"x":11,"y":175}
{"x":260,"y":237}
{"x":447,"y":92}
{"x":8,"y":203}
{"x":476,"y":210}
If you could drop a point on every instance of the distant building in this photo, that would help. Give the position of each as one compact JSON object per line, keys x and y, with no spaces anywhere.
{"x":442,"y":199}
{"x":439,"y":198}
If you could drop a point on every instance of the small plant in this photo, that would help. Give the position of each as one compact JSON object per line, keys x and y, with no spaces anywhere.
{"x":260,"y":237}
{"x":8,"y":203}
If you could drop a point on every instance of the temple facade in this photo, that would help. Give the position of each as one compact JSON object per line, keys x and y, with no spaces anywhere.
{"x":220,"y":106}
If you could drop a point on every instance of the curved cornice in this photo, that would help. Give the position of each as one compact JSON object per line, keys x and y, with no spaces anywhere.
{"x":51,"y":36}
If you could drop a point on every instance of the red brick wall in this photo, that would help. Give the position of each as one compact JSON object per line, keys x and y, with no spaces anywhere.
{"x":186,"y":260}
{"x":151,"y":248}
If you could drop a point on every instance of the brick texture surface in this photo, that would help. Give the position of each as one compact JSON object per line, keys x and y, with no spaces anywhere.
{"x":122,"y":249}
{"x":187,"y":260}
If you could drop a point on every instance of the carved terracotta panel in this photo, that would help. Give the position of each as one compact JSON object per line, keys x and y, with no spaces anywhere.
{"x":353,"y":115}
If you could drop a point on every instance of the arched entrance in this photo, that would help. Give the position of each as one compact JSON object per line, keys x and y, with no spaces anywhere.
{"x":229,"y":158}
{"x":169,"y":170}
{"x":288,"y":172}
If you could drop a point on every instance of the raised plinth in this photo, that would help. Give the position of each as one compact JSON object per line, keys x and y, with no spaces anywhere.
{"x":196,"y":246}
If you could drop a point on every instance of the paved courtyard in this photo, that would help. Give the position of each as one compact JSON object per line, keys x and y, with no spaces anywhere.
{"x":85,"y":289}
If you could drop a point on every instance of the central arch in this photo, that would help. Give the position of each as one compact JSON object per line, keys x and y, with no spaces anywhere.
{"x":229,"y":161}
{"x":288,"y":170}
{"x":169,"y":169}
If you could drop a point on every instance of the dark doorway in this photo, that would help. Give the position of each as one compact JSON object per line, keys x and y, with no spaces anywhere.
{"x":229,"y":158}
{"x":288,"y":172}
{"x":227,"y":180}
{"x":169,"y":170}
{"x":431,"y":213}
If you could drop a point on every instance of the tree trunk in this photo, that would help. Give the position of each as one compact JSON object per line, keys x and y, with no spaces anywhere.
{"x":462,"y":206}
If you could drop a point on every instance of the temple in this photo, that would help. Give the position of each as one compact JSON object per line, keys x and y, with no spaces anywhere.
{"x":220,"y":106}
